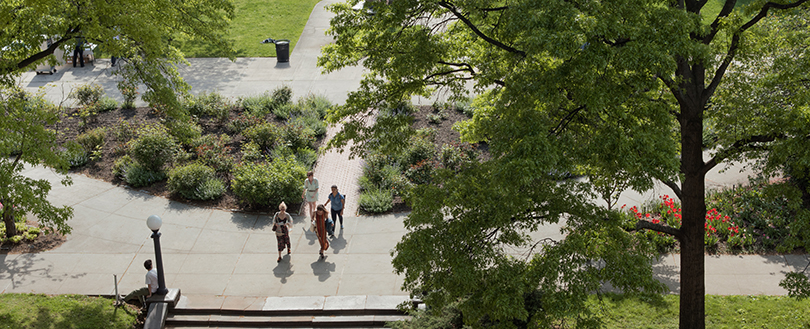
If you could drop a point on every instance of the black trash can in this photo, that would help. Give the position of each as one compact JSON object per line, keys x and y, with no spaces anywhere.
{"x":283,"y":50}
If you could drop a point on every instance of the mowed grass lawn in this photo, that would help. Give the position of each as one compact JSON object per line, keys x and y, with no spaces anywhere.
{"x":731,"y":312}
{"x":36,"y":311}
{"x":255,"y":21}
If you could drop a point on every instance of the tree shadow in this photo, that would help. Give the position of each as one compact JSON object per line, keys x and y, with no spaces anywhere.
{"x":26,"y":269}
{"x":78,"y":314}
{"x":247,"y":221}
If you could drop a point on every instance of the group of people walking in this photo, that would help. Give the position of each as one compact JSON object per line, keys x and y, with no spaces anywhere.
{"x":321,"y":223}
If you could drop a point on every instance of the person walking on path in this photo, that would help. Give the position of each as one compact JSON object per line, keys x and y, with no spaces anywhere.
{"x":151,"y":284}
{"x":79,"y":51}
{"x":310,"y":194}
{"x":282,"y":223}
{"x":320,"y":228}
{"x":337,"y":201}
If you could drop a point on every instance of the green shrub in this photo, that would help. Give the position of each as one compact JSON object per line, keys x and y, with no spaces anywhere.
{"x":87,"y":95}
{"x":214,"y":151}
{"x":465,"y":106}
{"x":242,"y":122}
{"x":137,"y":175}
{"x":309,"y":122}
{"x":421,"y":173}
{"x":121,"y":166}
{"x":401,"y":108}
{"x":123,"y":131}
{"x":376,"y":201}
{"x":258,"y":105}
{"x":774,"y":211}
{"x":455,"y":155}
{"x":106,"y":104}
{"x":185,"y":130}
{"x":75,"y":154}
{"x":195,"y":182}
{"x":284,"y":111}
{"x":86,"y":113}
{"x":315,"y":103}
{"x":264,"y":134}
{"x":153,"y":147}
{"x":419,"y":149}
{"x":384,"y":177}
{"x":129,"y":90}
{"x":268,"y":183}
{"x":24,"y":232}
{"x":282,"y":95}
{"x":298,"y":136}
{"x":208,"y":104}
{"x":306,"y":157}
{"x":251,"y":152}
{"x":435,"y":118}
{"x":92,"y":139}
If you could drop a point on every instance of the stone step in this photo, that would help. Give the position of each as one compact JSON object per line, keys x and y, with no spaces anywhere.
{"x":302,"y":312}
{"x":259,"y":320}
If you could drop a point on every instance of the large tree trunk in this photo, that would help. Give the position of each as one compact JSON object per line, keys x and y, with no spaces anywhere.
{"x":8,"y":219}
{"x":693,"y":289}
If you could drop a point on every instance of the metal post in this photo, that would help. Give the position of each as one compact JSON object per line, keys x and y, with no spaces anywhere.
{"x":117,"y":297}
{"x":159,"y":260}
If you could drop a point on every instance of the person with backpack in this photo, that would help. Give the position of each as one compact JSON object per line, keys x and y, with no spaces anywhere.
{"x":338,"y":202}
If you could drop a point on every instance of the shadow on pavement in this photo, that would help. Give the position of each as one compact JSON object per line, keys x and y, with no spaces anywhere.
{"x":23,"y":270}
{"x":283,"y":269}
{"x":322,"y":268}
{"x":338,"y":243}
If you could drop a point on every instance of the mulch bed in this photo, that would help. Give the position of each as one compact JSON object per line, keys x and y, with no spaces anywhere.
{"x":101,"y":169}
{"x":42,"y":243}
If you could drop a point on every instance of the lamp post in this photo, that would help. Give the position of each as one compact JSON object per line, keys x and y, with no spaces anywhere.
{"x":154,"y":222}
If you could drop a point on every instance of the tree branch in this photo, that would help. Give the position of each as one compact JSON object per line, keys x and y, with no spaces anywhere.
{"x":674,"y":89}
{"x":42,"y":54}
{"x":738,"y":146}
{"x":444,"y":73}
{"x":728,"y":7}
{"x":735,"y":43}
{"x":675,"y":188}
{"x":566,"y":120}
{"x":643,"y":224}
{"x":478,"y":32}
{"x":493,"y":9}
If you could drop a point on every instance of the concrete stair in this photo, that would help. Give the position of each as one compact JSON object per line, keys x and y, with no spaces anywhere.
{"x":220,"y":318}
{"x":289,"y":312}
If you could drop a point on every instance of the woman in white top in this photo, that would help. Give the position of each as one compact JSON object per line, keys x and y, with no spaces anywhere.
{"x":310,"y":194}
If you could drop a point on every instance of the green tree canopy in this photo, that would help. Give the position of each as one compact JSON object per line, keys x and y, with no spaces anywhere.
{"x":622,"y":90}
{"x":27,"y":142}
{"x":140,"y":31}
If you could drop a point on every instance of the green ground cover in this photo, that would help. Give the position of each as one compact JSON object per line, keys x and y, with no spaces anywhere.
{"x":63,"y":311}
{"x":621,"y":312}
{"x":255,"y":21}
{"x":618,"y":311}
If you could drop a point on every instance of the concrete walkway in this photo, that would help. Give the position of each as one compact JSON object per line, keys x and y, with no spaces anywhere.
{"x":224,"y":259}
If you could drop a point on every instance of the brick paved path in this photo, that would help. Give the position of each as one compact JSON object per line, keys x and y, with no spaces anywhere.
{"x":335,"y":168}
